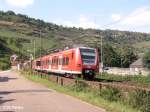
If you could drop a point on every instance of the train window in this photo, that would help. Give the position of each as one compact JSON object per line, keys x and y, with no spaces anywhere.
{"x":63,"y":62}
{"x":41,"y":63}
{"x":56,"y":61}
{"x":88,"y":57}
{"x":72,"y":55}
{"x":60,"y":61}
{"x":52,"y":61}
{"x":67,"y":61}
{"x":38,"y":63}
{"x":49,"y":62}
{"x":87,"y":50}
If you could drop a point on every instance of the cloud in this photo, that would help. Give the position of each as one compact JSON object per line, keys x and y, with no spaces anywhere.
{"x":137,"y":20}
{"x":140,"y":16}
{"x":19,"y":3}
{"x":85,"y":22}
{"x":82,"y":21}
{"x":116,"y":17}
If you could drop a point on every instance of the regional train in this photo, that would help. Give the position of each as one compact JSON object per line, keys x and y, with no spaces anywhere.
{"x":76,"y":62}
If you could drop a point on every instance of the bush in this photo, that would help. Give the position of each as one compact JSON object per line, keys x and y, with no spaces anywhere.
{"x":142,"y":80}
{"x":4,"y":66}
{"x":4,"y":63}
{"x":146,"y":60}
{"x":80,"y":86}
{"x":111,"y":94}
{"x":140,"y":99}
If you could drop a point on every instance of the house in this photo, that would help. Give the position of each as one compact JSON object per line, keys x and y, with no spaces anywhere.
{"x":137,"y":66}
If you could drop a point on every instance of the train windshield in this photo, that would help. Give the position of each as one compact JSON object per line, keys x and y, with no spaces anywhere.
{"x":88,"y":56}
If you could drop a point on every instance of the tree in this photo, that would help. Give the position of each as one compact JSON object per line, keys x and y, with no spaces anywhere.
{"x":146,"y":60}
{"x":117,"y":57}
{"x":127,"y":56}
{"x":10,"y":13}
{"x":110,"y":56}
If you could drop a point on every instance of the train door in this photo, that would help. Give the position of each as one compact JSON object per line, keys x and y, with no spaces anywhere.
{"x":60,"y":63}
{"x":50,"y":63}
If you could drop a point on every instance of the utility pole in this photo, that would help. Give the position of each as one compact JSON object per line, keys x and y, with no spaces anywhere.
{"x":121,"y":61}
{"x":34,"y":48}
{"x":101,"y":48}
{"x":101,"y":54}
{"x":40,"y":43}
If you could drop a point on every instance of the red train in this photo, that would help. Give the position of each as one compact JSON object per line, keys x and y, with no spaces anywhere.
{"x":80,"y":61}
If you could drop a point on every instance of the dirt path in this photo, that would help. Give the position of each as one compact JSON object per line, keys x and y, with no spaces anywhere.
{"x":18,"y":94}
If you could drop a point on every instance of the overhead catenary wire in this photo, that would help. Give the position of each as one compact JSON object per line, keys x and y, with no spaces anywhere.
{"x":105,"y":25}
{"x":110,"y":24}
{"x":123,"y":18}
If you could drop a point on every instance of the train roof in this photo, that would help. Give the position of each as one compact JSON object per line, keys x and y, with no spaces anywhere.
{"x":60,"y":52}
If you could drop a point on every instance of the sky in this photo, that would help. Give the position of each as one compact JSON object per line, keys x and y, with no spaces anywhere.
{"x":129,"y":15}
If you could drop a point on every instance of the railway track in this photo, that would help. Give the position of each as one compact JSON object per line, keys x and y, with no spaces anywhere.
{"x":94,"y":84}
{"x":120,"y":85}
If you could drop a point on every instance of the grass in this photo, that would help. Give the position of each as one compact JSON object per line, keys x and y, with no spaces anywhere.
{"x":47,"y":41}
{"x":86,"y":94}
{"x":136,"y":79}
{"x":4,"y":62}
{"x":142,"y":46}
{"x":145,"y":44}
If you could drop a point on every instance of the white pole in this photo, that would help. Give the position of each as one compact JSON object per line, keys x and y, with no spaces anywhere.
{"x":101,"y":54}
{"x":40,"y":44}
{"x":34,"y":48}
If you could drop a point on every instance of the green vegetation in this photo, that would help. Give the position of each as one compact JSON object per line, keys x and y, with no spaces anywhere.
{"x":142,"y":46}
{"x":118,"y":57}
{"x":131,"y":79}
{"x":112,"y":99}
{"x":140,"y":99}
{"x":4,"y":63}
{"x":146,"y":60}
{"x":21,"y":32}
{"x":4,"y":55}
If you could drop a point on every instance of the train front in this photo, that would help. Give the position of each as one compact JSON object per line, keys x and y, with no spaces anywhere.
{"x":90,"y":62}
